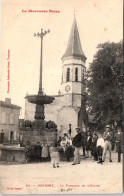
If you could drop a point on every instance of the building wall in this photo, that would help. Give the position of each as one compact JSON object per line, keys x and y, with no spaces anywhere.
{"x":61,"y":115}
{"x":67,"y":115}
{"x":9,"y":121}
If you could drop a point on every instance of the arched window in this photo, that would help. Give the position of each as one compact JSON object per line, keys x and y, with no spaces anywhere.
{"x":76,"y":74}
{"x":3,"y":117}
{"x":11,"y":118}
{"x":83,"y":77}
{"x":68,"y":75}
{"x":62,"y":77}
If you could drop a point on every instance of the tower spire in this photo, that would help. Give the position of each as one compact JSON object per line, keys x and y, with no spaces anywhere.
{"x":74,"y":11}
{"x":74,"y":48}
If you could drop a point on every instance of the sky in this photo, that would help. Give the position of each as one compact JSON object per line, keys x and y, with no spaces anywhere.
{"x":98,"y":21}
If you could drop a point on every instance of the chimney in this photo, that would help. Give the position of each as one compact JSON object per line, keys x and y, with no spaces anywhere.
{"x":59,"y":92}
{"x":8,"y":100}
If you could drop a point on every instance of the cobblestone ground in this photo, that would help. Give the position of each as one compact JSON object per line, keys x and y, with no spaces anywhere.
{"x":42,"y":178}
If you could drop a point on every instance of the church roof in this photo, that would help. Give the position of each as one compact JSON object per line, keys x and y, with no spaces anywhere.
{"x":74,"y":45}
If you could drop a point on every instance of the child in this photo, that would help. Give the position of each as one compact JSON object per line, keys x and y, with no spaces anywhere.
{"x":100,"y":145}
{"x":54,"y":154}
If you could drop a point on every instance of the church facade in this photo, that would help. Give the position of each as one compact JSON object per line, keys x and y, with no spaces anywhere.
{"x":69,"y":105}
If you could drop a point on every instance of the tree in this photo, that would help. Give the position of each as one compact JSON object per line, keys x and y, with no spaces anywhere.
{"x":104,"y":84}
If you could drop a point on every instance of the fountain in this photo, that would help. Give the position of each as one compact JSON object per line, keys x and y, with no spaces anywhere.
{"x":36,"y":131}
{"x":39,"y":129}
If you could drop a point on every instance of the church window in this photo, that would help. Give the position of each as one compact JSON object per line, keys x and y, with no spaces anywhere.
{"x":83,"y":77}
{"x":76,"y":74}
{"x":3,"y":117}
{"x":11,"y":118}
{"x":68,"y":75}
{"x":62,"y":77}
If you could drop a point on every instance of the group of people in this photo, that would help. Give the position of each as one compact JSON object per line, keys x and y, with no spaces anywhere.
{"x":91,"y":144}
{"x":96,"y":144}
{"x":40,"y":152}
{"x":43,"y":152}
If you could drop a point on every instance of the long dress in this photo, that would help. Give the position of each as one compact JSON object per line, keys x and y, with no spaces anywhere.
{"x":45,"y":152}
{"x":27,"y":152}
{"x":93,"y":147}
{"x":69,"y":150}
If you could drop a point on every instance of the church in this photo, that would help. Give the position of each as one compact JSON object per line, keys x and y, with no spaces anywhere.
{"x":68,"y":109}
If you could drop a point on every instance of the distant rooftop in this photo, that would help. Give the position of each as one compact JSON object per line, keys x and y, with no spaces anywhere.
{"x":7,"y":103}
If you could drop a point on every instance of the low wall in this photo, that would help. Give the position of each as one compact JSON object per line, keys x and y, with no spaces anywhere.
{"x":17,"y":154}
{"x":12,"y":154}
{"x":38,"y":136}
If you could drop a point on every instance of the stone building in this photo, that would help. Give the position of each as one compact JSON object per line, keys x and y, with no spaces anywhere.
{"x":9,"y":121}
{"x":69,"y":105}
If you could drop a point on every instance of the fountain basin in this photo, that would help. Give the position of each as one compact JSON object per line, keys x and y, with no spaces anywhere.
{"x":40,"y":99}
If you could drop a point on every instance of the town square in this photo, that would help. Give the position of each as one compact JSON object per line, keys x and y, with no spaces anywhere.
{"x":61,"y":114}
{"x":32,"y":177}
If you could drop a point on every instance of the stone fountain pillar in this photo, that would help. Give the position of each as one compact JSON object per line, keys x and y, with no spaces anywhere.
{"x":39,"y":113}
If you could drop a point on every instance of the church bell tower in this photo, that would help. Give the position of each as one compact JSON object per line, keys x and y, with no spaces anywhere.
{"x":73,"y":75}
{"x":73,"y":69}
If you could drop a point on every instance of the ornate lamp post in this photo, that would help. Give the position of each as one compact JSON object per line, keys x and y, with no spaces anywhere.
{"x":41,"y":35}
{"x":40,"y":99}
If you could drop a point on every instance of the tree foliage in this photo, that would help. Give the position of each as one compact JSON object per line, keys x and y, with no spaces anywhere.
{"x":105,"y":83}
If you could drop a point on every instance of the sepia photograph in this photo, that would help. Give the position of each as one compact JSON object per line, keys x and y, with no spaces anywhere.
{"x":61,"y":86}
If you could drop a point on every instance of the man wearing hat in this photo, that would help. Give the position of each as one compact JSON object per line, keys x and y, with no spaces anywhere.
{"x":108,"y":136}
{"x":77,"y":143}
{"x":119,"y":142}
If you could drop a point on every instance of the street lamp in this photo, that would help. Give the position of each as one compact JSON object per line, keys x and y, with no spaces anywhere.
{"x":41,"y":35}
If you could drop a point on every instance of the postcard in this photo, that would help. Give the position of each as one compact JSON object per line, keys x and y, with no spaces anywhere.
{"x":60,"y":99}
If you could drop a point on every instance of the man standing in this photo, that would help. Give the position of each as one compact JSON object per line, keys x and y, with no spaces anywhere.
{"x":69,"y":131}
{"x":84,"y":140}
{"x":108,"y":136}
{"x":119,"y":142}
{"x":77,"y":143}
{"x":2,"y":137}
{"x":38,"y":151}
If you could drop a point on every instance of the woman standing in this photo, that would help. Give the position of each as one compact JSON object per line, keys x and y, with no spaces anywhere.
{"x":88,"y":145}
{"x":45,"y":151}
{"x":27,"y":151}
